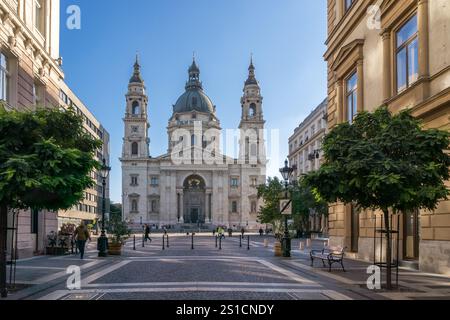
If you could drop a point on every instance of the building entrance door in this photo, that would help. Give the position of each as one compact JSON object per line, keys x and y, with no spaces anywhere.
{"x":194,"y":200}
{"x":195,"y":215}
{"x":411,"y":236}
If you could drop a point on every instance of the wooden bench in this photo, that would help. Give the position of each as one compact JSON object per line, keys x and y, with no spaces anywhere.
{"x":331,"y":255}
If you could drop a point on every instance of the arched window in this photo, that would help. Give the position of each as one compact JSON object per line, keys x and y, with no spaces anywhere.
{"x":134,"y":149}
{"x":252,"y":110}
{"x":135,"y":108}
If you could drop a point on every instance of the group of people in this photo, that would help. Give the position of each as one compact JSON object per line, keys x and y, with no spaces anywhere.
{"x":220,"y":231}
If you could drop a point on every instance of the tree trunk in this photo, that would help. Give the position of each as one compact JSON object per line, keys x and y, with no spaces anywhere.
{"x":3,"y":238}
{"x":388,"y":249}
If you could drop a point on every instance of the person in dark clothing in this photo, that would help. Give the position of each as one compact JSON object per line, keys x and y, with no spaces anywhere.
{"x":147,"y":233}
{"x":243,"y":232}
{"x":230,"y":232}
{"x":261,"y":232}
{"x":82,"y":235}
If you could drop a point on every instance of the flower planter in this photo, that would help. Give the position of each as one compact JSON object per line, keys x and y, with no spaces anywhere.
{"x":114,"y":249}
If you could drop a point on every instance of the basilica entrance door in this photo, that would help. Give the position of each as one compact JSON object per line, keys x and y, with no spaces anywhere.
{"x":194,"y":200}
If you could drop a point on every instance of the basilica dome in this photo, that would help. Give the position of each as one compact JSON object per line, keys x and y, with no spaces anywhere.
{"x":194,"y":98}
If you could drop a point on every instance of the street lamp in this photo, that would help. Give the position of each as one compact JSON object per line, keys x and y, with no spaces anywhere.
{"x":286,"y":172}
{"x":102,"y":242}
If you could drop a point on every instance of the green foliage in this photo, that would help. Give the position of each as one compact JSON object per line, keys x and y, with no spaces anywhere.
{"x":45,"y":159}
{"x":118,"y":228}
{"x":303,"y":202}
{"x":384,"y":161}
{"x":270,"y":193}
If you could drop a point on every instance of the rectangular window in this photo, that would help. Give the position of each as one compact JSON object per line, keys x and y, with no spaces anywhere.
{"x":134,"y":180}
{"x":348,"y":4}
{"x":407,"y":54}
{"x":234,"y":207}
{"x":4,"y":77}
{"x":39,"y":21}
{"x":154,"y":181}
{"x":352,"y":97}
{"x":234,"y":182}
{"x":253,"y":207}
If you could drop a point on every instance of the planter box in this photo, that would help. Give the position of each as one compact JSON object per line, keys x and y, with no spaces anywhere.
{"x":114,"y":249}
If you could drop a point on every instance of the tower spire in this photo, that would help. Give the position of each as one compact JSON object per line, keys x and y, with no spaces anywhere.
{"x":137,"y":78}
{"x":251,"y":73}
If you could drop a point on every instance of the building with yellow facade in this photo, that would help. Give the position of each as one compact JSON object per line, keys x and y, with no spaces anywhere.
{"x":394,"y":53}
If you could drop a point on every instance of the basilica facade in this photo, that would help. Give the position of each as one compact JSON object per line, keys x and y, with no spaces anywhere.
{"x":193,"y":185}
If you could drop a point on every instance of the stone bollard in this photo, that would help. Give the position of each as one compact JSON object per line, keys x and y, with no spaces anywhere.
{"x":266,"y":243}
{"x":302,"y":246}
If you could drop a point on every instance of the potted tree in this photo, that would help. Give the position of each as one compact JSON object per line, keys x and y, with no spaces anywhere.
{"x":119,"y":233}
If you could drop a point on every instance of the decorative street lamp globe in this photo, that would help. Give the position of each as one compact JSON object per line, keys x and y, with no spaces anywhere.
{"x":102,"y":242}
{"x":286,"y":172}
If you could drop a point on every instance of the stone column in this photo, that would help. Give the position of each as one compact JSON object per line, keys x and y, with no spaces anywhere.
{"x":181,"y":207}
{"x":339,"y":98}
{"x":387,"y":54}
{"x":424,"y":50}
{"x":360,"y":75}
{"x":208,"y":207}
{"x":422,"y":19}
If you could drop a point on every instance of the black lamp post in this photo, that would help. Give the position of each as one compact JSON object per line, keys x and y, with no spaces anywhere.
{"x":286,"y":172}
{"x":102,"y":242}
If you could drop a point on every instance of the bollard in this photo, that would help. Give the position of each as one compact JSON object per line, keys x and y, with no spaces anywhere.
{"x":240,"y":241}
{"x":163,"y":247}
{"x":192,"y":247}
{"x":220,"y":243}
{"x":134,"y":242}
{"x":302,"y":246}
{"x":248,"y":243}
{"x":216,"y":241}
{"x":266,"y":243}
{"x":167,"y":239}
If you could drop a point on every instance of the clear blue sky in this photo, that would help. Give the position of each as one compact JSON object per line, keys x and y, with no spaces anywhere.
{"x":286,"y":37}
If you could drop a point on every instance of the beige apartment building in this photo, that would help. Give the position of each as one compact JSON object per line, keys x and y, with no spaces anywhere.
{"x":31,"y":75}
{"x":89,"y":209}
{"x":395,"y":53}
{"x":305,"y":154}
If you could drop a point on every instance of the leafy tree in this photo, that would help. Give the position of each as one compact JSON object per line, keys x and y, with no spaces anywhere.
{"x":303,"y":202}
{"x":118,"y":228}
{"x":270,"y":193}
{"x":384,"y":162}
{"x":45,"y":163}
{"x":116,"y":210}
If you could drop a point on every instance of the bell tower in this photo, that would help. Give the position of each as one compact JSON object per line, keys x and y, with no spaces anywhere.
{"x":252,"y":146}
{"x":136,"y":141}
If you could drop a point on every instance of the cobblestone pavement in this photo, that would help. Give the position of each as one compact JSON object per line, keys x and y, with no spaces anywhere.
{"x":208,"y":273}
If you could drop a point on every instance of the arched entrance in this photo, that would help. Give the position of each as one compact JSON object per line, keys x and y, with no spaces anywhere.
{"x":194,"y":200}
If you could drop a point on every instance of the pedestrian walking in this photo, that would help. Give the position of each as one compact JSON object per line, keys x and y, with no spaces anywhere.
{"x":243,"y":232}
{"x":147,"y":233}
{"x":82,"y":235}
{"x":230,"y":232}
{"x":261,"y":232}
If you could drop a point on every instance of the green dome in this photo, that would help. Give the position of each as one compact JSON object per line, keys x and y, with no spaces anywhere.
{"x":194,"y":99}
